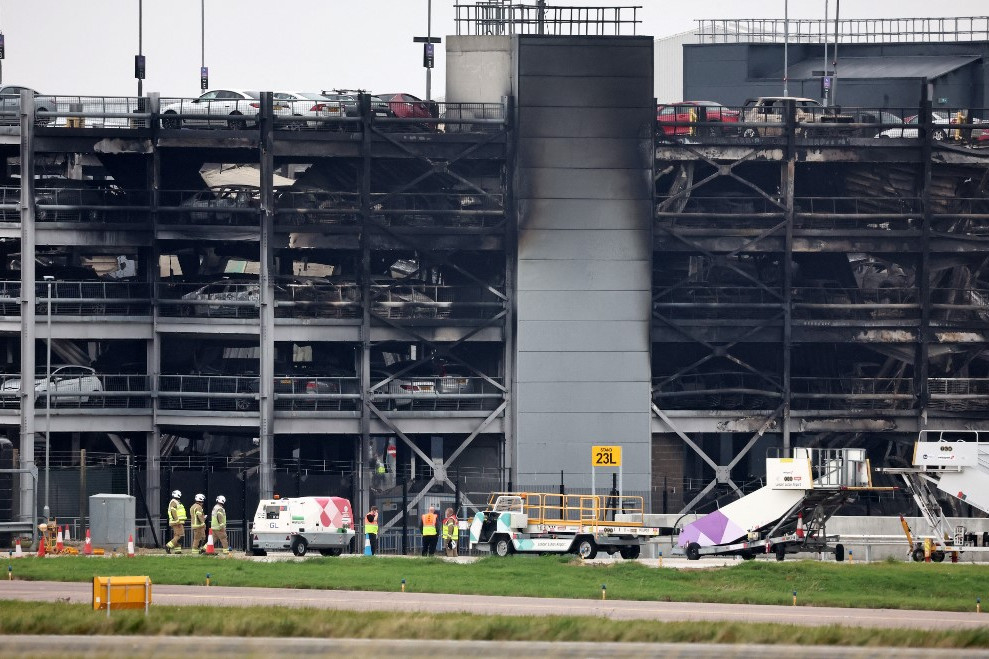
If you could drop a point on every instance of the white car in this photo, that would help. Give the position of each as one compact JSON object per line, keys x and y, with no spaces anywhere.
{"x":69,"y":385}
{"x":310,"y":107}
{"x":240,"y":106}
{"x":940,"y":133}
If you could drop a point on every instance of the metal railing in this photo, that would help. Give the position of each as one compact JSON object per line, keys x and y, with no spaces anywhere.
{"x":817,"y":303}
{"x":92,"y":112}
{"x":817,"y":393}
{"x":451,"y":210}
{"x":91,"y":298}
{"x":727,"y":391}
{"x":216,"y":393}
{"x":424,"y":301}
{"x":221,"y":299}
{"x":439,"y":393}
{"x":508,"y":17}
{"x":695,"y":301}
{"x":959,"y":394}
{"x":857,"y":30}
{"x":317,"y":393}
{"x":99,"y":391}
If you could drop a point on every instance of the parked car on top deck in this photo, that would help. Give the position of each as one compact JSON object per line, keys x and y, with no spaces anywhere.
{"x":69,"y":385}
{"x":10,"y":105}
{"x":407,"y":106}
{"x":348,"y":99}
{"x":675,"y":118}
{"x":770,"y":110}
{"x":941,"y":121}
{"x":310,"y":108}
{"x":241,"y":106}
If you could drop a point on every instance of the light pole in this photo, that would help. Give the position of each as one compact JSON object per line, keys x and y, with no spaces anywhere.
{"x":429,"y":36}
{"x":139,"y":63}
{"x":48,"y":395}
{"x":786,"y":47}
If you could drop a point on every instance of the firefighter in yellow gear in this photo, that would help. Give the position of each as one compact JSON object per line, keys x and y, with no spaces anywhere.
{"x":176,"y":521}
{"x":451,"y":531}
{"x":219,"y":525}
{"x":197,"y":520}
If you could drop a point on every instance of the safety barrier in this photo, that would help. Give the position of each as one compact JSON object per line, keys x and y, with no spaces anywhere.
{"x":121,"y":593}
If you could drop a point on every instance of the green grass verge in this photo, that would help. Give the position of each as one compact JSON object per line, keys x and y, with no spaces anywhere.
{"x":894,"y":585}
{"x":61,"y":618}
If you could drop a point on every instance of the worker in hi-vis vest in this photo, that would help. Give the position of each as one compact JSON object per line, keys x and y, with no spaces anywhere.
{"x":429,"y":532}
{"x":197,"y":520}
{"x":451,"y":531}
{"x":371,"y":528}
{"x":219,"y":525}
{"x":176,"y":521}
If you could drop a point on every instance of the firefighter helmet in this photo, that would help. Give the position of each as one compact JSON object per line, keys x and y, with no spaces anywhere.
{"x":176,"y":494}
{"x":221,"y":500}
{"x":200,"y":498}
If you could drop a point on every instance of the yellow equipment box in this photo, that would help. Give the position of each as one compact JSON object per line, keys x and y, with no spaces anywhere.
{"x":121,"y":593}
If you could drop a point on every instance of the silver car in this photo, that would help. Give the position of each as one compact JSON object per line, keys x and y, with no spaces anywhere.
{"x":240,"y":106}
{"x":310,"y":110}
{"x":69,"y":385}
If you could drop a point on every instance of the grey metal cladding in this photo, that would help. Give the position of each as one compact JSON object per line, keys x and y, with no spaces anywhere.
{"x":584,"y":59}
{"x":587,"y":123}
{"x":603,"y":335}
{"x":589,"y":244}
{"x":556,"y":275}
{"x":631,"y":429}
{"x":587,"y":367}
{"x":585,"y":153}
{"x":586,"y":91}
{"x":577,"y":397}
{"x":584,"y":213}
{"x":573,"y":183}
{"x":589,"y":305}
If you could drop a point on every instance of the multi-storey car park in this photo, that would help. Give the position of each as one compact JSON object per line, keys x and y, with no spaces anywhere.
{"x":469,"y":302}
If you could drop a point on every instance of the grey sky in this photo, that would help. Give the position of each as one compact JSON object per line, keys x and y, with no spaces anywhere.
{"x":88,"y":46}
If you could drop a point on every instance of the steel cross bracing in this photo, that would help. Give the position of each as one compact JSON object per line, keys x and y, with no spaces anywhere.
{"x":370,"y":222}
{"x":683,"y":187}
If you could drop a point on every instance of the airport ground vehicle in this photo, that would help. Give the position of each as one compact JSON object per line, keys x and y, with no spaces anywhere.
{"x":789,"y":513}
{"x":582,"y":524}
{"x":957,"y":464}
{"x":303,"y":523}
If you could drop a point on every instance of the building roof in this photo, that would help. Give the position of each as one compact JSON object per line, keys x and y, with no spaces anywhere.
{"x":907,"y":66}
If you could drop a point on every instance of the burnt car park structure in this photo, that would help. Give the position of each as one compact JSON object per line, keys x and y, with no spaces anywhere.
{"x":470,"y":308}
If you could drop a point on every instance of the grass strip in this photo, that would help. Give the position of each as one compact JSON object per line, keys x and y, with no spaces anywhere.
{"x":893,"y":585}
{"x":62,"y":618}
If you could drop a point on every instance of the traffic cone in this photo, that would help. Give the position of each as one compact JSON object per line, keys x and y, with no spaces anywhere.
{"x":18,"y":552}
{"x":87,"y":549}
{"x":210,"y":550}
{"x":65,"y":536}
{"x":59,"y":545}
{"x":367,"y":545}
{"x":41,"y":547}
{"x":130,"y":546}
{"x":800,"y":525}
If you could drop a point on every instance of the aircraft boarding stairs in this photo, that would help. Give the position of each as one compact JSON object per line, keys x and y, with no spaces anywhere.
{"x":789,"y":513}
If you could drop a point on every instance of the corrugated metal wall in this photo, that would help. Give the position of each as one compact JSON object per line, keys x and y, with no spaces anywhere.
{"x":583,"y":184}
{"x":669,"y":66}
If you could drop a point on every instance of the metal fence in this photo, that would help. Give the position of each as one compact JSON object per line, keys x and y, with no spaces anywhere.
{"x":508,"y":17}
{"x":857,"y":30}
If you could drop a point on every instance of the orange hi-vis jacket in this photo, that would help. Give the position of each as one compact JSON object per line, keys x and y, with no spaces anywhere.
{"x":429,"y":523}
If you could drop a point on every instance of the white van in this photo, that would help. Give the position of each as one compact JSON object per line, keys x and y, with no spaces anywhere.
{"x":322,"y":523}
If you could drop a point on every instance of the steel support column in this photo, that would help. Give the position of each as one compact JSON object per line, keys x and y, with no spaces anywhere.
{"x":922,"y":366}
{"x":363,"y":484}
{"x":266,"y":402}
{"x":152,"y":271}
{"x":511,"y":269}
{"x":787,"y":187}
{"x":28,"y":301}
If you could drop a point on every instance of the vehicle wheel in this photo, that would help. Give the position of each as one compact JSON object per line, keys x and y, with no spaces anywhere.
{"x":747,"y":555}
{"x":586,"y":548}
{"x":938,"y":135}
{"x":170,"y":121}
{"x":713,"y":131}
{"x":185,"y":310}
{"x":299,"y":546}
{"x":257,"y":552}
{"x":243,"y":404}
{"x":780,"y":552}
{"x":501,"y":546}
{"x":631,"y":552}
{"x":750,"y":132}
{"x":693,"y":551}
{"x":236,"y":124}
{"x":937,"y":556}
{"x":331,"y":552}
{"x":296,"y":124}
{"x":40,"y":122}
{"x":839,"y":553}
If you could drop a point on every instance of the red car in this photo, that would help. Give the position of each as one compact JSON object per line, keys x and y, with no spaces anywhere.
{"x":407,"y":106}
{"x":674,"y":118}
